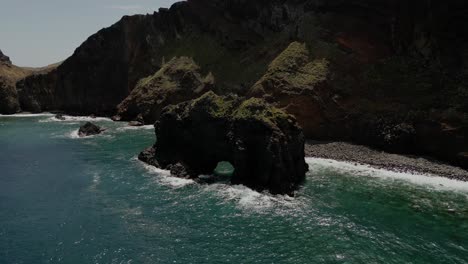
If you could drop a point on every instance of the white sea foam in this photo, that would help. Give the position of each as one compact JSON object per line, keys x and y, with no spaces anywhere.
{"x":52,"y":119}
{"x":247,"y":198}
{"x":125,"y":128}
{"x":76,"y":119}
{"x":434,"y":181}
{"x":28,"y":115}
{"x":74,"y":135}
{"x":165,"y":177}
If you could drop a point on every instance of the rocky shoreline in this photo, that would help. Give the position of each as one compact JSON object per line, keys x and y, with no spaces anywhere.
{"x":343,"y":151}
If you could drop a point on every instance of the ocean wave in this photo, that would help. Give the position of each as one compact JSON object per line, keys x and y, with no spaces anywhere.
{"x":165,"y":177}
{"x":433,"y":181}
{"x":76,"y":119}
{"x":125,"y":128}
{"x":53,"y":120}
{"x":74,"y":135}
{"x":243,"y":196}
{"x":28,"y":115}
{"x":247,"y":198}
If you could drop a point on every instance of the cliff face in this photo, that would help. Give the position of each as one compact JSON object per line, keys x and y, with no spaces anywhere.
{"x":9,"y":74}
{"x":393,"y":73}
{"x":237,"y":39}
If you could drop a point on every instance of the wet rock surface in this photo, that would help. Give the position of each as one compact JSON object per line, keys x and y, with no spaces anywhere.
{"x":264,"y":144}
{"x":60,"y":117}
{"x":89,"y":129}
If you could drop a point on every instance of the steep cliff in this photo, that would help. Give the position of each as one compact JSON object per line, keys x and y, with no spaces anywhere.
{"x":237,"y":39}
{"x":386,"y":69}
{"x":9,"y":74}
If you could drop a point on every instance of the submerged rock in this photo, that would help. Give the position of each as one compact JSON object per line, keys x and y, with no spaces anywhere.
{"x":264,"y":144}
{"x":136,"y":123}
{"x":139,"y":121}
{"x":89,"y":129}
{"x":177,"y":81}
{"x":116,"y":118}
{"x":60,"y":117}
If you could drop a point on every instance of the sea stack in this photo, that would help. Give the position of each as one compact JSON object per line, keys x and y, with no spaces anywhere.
{"x":264,"y":144}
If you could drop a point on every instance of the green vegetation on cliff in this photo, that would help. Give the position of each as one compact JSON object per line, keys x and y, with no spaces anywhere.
{"x":178,"y":80}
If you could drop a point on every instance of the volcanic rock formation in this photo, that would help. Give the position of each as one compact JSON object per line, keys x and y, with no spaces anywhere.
{"x":264,"y":144}
{"x":390,"y":74}
{"x":89,"y":129}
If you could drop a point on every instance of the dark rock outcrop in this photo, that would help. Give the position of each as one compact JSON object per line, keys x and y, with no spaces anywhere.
{"x":8,"y":97}
{"x":177,"y":81}
{"x":4,"y":59}
{"x":264,"y":144}
{"x":89,"y":129}
{"x":60,"y":117}
{"x":9,"y":74}
{"x":381,"y":65}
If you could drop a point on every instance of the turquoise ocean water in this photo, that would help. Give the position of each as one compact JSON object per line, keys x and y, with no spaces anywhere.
{"x":70,"y":200}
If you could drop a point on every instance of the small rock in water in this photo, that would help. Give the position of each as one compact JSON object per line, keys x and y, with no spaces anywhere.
{"x":116,"y":118}
{"x":89,"y":129}
{"x":59,"y":117}
{"x":179,"y":170}
{"x":136,"y":123}
{"x":93,"y":116}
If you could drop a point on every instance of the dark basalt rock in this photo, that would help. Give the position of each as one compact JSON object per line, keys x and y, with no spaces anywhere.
{"x":4,"y":59}
{"x":89,"y":129}
{"x":116,"y":118}
{"x":136,"y":123}
{"x":60,"y":117}
{"x":8,"y":97}
{"x":395,"y":57}
{"x":264,"y":144}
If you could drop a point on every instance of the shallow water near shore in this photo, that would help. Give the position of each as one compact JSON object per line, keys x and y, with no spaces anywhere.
{"x":65,"y":199}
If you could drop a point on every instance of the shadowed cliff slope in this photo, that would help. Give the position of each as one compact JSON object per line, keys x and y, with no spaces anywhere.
{"x":394,"y":72}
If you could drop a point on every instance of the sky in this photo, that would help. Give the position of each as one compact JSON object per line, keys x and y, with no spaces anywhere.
{"x":37,"y":33}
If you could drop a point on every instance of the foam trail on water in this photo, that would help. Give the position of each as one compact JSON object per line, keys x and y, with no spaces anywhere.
{"x":74,"y":135}
{"x":436,"y":182}
{"x":83,"y":118}
{"x":166,"y":178}
{"x":135,"y":128}
{"x":28,"y":115}
{"x":245,"y":197}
